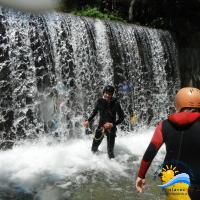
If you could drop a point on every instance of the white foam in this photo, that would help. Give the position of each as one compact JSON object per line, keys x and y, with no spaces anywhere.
{"x":30,"y":164}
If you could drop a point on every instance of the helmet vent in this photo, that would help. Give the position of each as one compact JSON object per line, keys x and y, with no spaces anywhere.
{"x":188,"y":97}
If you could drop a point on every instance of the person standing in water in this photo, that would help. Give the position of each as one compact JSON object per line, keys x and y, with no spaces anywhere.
{"x":107,"y":107}
{"x":181,"y":135}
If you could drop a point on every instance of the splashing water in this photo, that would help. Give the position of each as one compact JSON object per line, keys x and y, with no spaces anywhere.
{"x":53,"y":170}
{"x":52,"y":63}
{"x":53,"y":68}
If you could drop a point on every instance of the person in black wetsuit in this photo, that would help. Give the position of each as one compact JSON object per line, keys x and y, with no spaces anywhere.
{"x":181,"y":135}
{"x":107,"y":107}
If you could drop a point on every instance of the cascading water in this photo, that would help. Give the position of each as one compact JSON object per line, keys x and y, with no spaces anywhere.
{"x":53,"y":67}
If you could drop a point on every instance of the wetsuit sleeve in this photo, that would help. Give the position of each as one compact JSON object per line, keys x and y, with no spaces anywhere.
{"x":94,"y":112}
{"x":120,"y":114}
{"x":154,"y":146}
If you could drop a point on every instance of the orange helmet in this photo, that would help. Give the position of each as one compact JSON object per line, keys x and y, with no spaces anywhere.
{"x":187,"y":97}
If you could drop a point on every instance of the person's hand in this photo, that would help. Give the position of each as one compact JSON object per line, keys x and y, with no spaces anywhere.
{"x":86,"y":124}
{"x":108,"y":125}
{"x":139,"y":184}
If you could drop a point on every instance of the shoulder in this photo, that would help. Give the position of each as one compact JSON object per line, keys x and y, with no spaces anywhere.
{"x":115,"y":100}
{"x":165,"y":127}
{"x":165,"y":123}
{"x":100,"y":100}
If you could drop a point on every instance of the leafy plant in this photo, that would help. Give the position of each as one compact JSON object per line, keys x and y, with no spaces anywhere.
{"x":95,"y":13}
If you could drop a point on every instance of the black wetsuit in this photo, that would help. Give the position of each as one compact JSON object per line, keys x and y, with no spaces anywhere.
{"x":183,"y":150}
{"x":181,"y":135}
{"x":107,"y":113}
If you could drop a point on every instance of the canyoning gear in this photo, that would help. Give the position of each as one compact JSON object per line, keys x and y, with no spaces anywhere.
{"x":107,"y":112}
{"x":182,"y":145}
{"x":184,"y":118}
{"x":111,"y":134}
{"x":102,"y":131}
{"x":107,"y":123}
{"x":88,"y":131}
{"x":100,"y":137}
{"x":109,"y":89}
{"x":183,"y":142}
{"x":187,"y":97}
{"x":180,"y":133}
{"x":179,"y":121}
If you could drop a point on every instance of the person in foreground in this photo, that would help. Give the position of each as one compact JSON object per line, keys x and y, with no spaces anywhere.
{"x":181,"y":135}
{"x":108,"y":107}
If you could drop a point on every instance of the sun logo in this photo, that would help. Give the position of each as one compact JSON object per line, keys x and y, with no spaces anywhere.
{"x":176,"y":184}
{"x":168,"y":172}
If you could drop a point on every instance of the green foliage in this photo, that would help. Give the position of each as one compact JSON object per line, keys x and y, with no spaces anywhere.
{"x":95,"y":13}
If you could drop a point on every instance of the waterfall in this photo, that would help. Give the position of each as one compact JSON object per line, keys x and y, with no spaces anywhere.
{"x":53,"y":67}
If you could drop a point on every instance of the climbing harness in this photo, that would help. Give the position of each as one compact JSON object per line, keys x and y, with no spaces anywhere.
{"x":103,"y":132}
